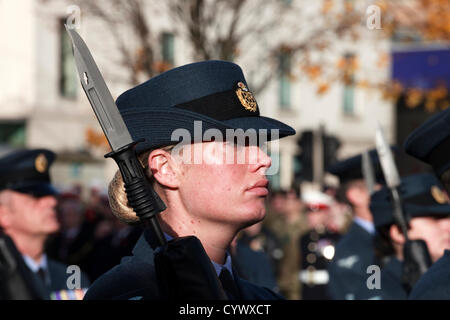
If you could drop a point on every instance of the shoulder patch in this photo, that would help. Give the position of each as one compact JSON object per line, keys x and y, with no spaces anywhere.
{"x":348,"y":262}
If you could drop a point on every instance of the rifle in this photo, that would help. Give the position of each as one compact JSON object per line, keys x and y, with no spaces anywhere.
{"x":416,"y":258}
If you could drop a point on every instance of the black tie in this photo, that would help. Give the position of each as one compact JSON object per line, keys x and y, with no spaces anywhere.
{"x":41,"y":274}
{"x":229,"y":285}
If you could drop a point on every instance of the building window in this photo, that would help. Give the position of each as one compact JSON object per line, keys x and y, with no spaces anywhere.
{"x":13,"y":134}
{"x":348,"y":96}
{"x":284,"y":80}
{"x":68,"y":81}
{"x":349,"y":99}
{"x":168,"y":48}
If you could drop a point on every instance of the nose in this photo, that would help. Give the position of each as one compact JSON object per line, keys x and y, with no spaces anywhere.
{"x":258,"y":159}
{"x":48,"y":201}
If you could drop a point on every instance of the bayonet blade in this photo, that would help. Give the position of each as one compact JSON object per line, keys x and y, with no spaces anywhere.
{"x":98,"y":94}
{"x":386,"y":159}
{"x":367,"y":170}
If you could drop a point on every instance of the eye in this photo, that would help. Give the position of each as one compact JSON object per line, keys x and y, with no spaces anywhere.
{"x":245,"y":141}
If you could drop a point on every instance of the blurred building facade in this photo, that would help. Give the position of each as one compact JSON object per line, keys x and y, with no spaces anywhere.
{"x":42,"y":103}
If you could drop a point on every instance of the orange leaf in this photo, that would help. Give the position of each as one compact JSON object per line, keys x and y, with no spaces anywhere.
{"x":322,"y":88}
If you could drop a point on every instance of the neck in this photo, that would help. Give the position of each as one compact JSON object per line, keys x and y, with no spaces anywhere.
{"x":214,"y":236}
{"x":398,"y":250}
{"x":30,"y":245}
{"x":363,"y":213}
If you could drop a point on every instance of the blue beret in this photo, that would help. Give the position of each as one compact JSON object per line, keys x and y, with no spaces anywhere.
{"x":351,"y":168}
{"x":421,"y":195}
{"x":27,"y":171}
{"x":431,"y":141}
{"x":213,"y":92}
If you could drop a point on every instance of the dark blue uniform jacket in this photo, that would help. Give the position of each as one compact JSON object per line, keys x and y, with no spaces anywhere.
{"x":135,"y":278}
{"x":348,"y":270}
{"x":435,"y":283}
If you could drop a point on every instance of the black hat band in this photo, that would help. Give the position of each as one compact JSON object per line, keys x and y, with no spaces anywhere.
{"x":222,"y":106}
{"x":424,"y":199}
{"x":10,"y":180}
{"x":438,"y":157}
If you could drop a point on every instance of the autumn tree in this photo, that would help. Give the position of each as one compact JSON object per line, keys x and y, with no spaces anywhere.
{"x":256,"y":33}
{"x":415,"y":22}
{"x":251,"y":32}
{"x":259,"y":35}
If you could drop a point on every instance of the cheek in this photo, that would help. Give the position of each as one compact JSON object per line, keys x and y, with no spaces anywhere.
{"x":215,"y":188}
{"x":218,"y":178}
{"x":419,"y":230}
{"x":428,"y":231}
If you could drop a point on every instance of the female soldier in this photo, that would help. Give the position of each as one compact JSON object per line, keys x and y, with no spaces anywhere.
{"x":212,"y":187}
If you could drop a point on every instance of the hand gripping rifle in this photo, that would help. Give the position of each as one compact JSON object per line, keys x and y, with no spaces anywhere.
{"x":184,"y":270}
{"x":416,"y":258}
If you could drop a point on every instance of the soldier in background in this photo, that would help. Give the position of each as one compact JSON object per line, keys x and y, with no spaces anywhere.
{"x":260,"y":238}
{"x":430,"y":143}
{"x":317,"y":246}
{"x":73,"y":243}
{"x":428,"y":215}
{"x":286,"y":218}
{"x":250,"y":251}
{"x":109,"y":248}
{"x":355,"y":251}
{"x":28,"y":216}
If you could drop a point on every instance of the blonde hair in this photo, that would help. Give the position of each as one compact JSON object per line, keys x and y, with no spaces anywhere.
{"x":117,"y":196}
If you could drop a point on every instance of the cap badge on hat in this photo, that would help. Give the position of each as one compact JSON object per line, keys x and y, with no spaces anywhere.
{"x":41,"y":163}
{"x":438,"y":195}
{"x":246,"y":97}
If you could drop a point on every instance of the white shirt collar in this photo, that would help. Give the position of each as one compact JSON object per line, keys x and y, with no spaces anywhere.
{"x":226,"y":265}
{"x":366,"y":225}
{"x":33,"y":265}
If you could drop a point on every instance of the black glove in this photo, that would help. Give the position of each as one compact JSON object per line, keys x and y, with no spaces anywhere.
{"x":185,"y":272}
{"x":416,"y":261}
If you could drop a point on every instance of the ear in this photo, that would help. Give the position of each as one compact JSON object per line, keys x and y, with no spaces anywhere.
{"x":4,"y":213}
{"x":353,"y":195}
{"x":396,"y":235}
{"x":164,"y":168}
{"x":357,"y":196}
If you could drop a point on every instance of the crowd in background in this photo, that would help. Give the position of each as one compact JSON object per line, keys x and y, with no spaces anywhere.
{"x":90,"y":236}
{"x":272,"y":253}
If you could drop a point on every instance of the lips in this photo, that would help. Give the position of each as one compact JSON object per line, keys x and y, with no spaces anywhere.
{"x":260,"y":188}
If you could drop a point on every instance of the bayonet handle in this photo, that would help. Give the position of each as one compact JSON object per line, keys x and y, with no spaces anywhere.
{"x":141,"y":197}
{"x":398,"y":212}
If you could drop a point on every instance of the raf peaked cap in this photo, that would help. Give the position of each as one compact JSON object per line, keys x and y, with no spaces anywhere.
{"x":213,"y":92}
{"x":431,"y":142}
{"x":421,"y":194}
{"x":351,"y":168}
{"x":27,"y":171}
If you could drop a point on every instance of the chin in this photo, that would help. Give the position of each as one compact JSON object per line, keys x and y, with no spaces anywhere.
{"x":53,"y":227}
{"x":254,"y":217}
